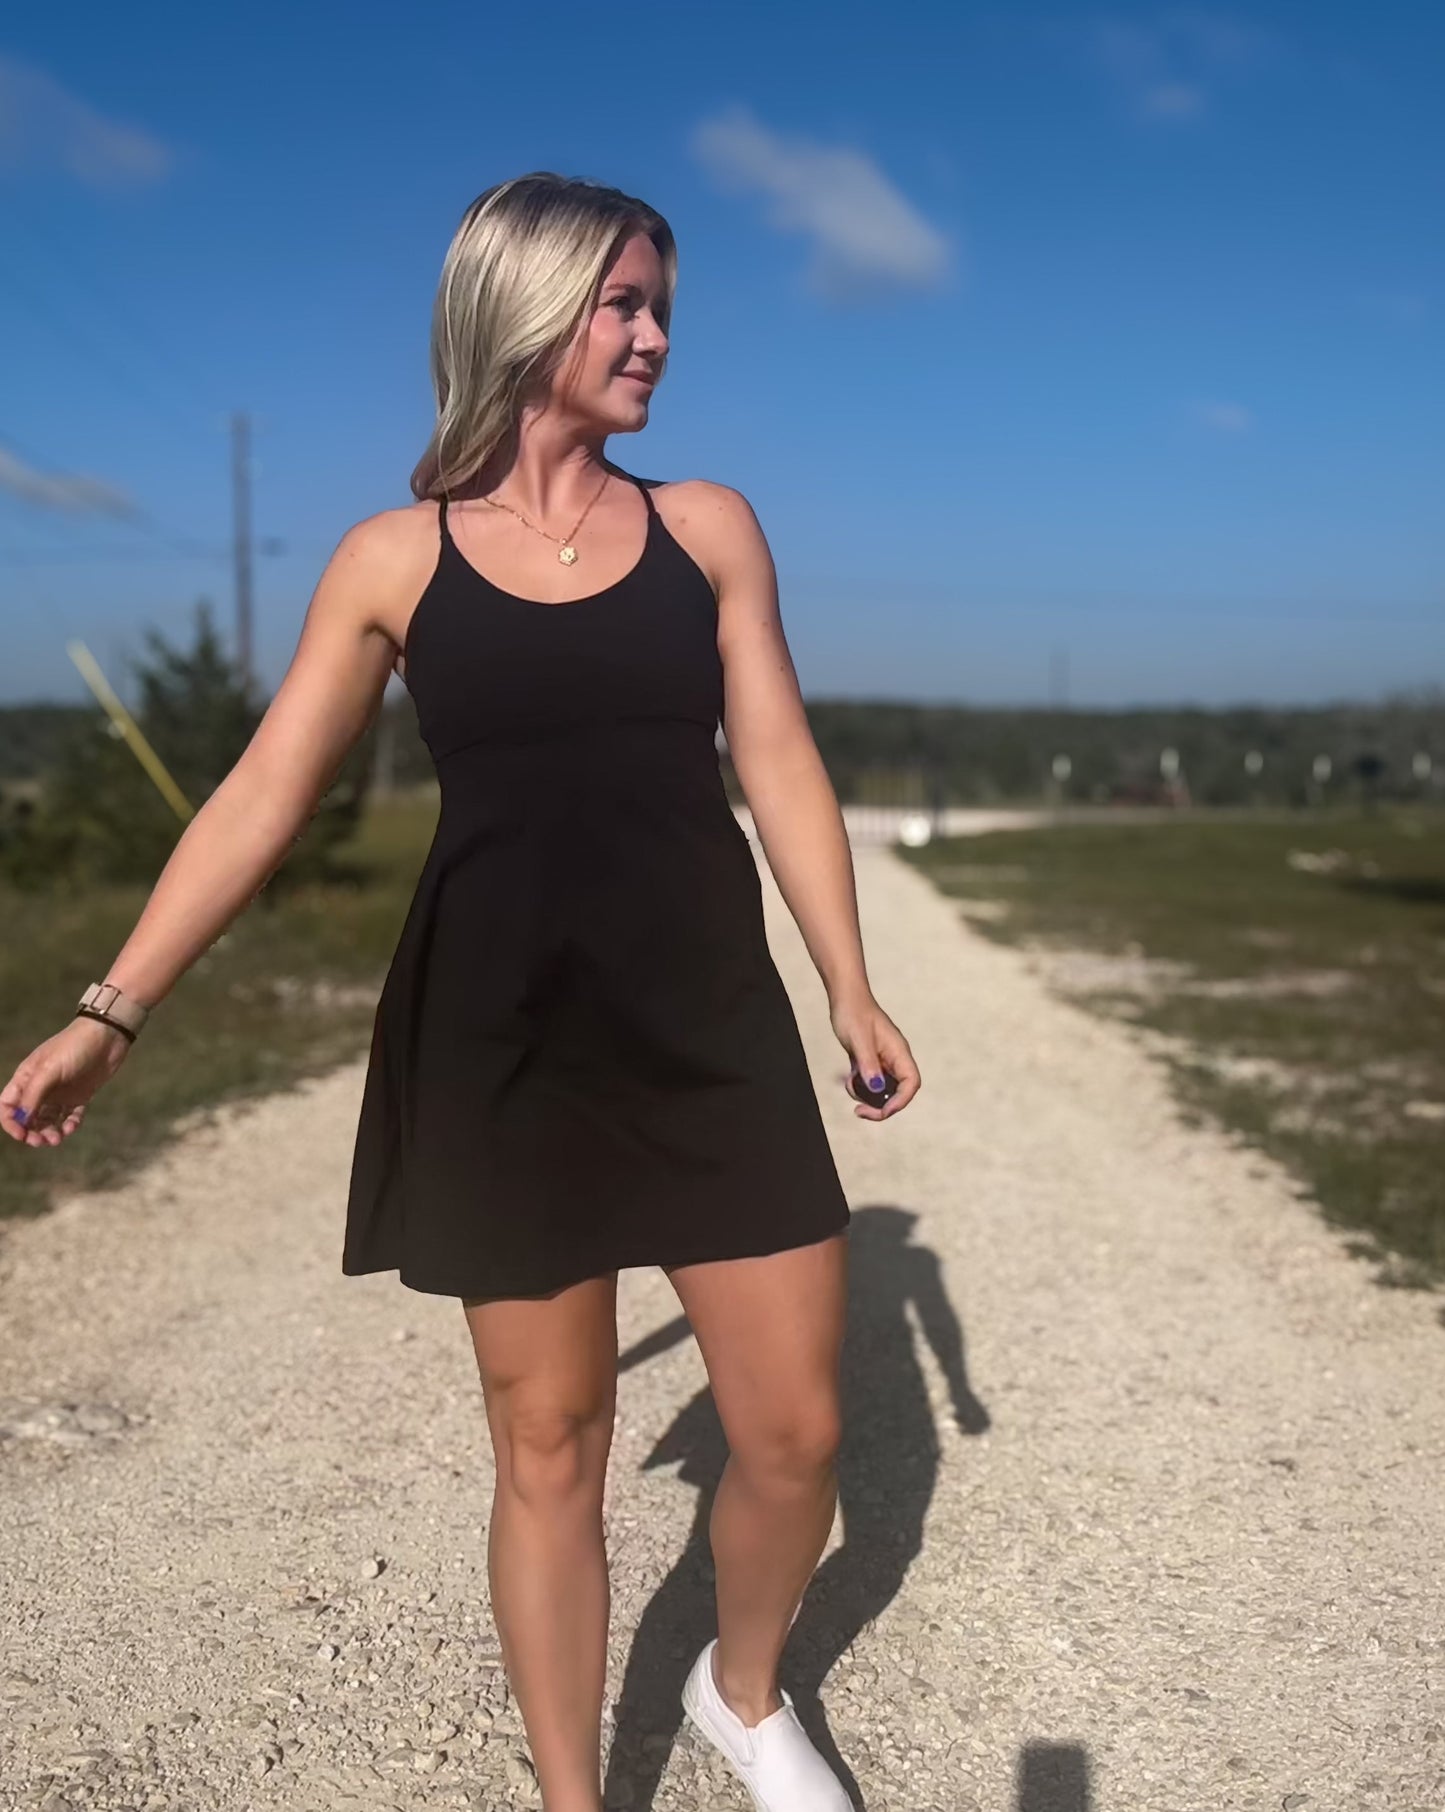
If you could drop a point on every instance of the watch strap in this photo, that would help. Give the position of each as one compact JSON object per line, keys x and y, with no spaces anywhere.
{"x":103,"y":1000}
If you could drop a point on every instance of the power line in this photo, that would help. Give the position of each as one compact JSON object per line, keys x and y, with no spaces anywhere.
{"x":200,"y":553}
{"x":73,"y":337}
{"x":91,"y":283}
{"x":62,"y":321}
{"x":134,"y":556}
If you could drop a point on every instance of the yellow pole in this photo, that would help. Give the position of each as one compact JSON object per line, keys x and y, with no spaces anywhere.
{"x":131,"y":731}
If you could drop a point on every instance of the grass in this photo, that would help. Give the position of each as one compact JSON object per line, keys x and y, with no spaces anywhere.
{"x":288,"y":991}
{"x":1295,"y":967}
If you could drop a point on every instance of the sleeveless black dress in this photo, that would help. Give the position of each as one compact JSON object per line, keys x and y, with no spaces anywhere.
{"x":583,"y":1057}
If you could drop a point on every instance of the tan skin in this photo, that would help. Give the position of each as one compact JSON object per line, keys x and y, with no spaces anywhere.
{"x":769,"y":1328}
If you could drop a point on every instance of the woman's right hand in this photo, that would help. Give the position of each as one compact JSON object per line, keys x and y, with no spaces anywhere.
{"x":44,"y":1101}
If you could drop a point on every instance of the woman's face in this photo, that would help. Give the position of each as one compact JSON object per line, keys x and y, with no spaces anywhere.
{"x":617,"y":357}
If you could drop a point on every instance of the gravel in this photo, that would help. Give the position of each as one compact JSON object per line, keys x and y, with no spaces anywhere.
{"x":1142,"y":1499}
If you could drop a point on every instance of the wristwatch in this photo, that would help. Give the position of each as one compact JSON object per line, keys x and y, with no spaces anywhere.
{"x":104,"y":1001}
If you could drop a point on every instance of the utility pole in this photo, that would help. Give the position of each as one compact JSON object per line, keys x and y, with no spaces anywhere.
{"x":241,"y":541}
{"x":1059,"y":679}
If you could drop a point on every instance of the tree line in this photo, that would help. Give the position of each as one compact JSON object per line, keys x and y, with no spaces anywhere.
{"x":76,"y":805}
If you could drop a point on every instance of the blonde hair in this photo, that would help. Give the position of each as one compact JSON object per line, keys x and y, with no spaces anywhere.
{"x":523,"y":269}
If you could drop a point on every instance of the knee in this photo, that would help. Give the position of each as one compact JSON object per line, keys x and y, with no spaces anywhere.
{"x":791,"y":1446}
{"x":553,"y":1459}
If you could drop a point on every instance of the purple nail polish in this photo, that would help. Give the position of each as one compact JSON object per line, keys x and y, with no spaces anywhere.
{"x":21,"y":1113}
{"x":875,"y":1083}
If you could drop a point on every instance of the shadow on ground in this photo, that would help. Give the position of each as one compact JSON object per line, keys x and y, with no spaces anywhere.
{"x":887,"y":1472}
{"x":1412,"y":890}
{"x":1053,"y":1777}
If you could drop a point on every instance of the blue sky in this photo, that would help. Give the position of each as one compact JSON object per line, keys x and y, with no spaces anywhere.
{"x":1085,"y":341}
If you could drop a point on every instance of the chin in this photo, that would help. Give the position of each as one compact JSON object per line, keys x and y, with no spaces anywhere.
{"x":628,"y":421}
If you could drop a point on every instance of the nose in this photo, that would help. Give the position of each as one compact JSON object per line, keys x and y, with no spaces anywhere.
{"x":649,"y":337}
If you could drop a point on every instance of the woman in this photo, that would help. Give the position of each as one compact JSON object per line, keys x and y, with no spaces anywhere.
{"x":583,"y":1057}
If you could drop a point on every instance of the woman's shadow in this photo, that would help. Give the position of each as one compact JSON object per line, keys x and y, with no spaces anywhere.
{"x":887,"y":1470}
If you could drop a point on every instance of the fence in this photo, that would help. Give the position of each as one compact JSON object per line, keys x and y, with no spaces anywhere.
{"x":880,"y":825}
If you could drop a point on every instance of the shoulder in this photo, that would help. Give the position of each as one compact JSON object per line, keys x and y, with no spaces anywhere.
{"x":702,"y":500}
{"x":378,"y":571}
{"x":391,"y":542}
{"x":715,"y":524}
{"x":381,"y":564}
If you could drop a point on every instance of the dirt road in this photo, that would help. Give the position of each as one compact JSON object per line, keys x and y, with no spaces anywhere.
{"x":1142,"y":1494}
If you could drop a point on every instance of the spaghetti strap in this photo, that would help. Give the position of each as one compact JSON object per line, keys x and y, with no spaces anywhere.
{"x":646,"y":490}
{"x":442,"y":529}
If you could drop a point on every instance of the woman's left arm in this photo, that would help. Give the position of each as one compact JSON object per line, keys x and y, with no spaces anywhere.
{"x":794,"y":807}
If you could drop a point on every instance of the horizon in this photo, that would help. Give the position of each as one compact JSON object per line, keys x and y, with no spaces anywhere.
{"x":1424,"y":696}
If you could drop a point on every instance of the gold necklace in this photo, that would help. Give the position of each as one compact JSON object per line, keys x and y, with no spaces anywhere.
{"x":566,"y":553}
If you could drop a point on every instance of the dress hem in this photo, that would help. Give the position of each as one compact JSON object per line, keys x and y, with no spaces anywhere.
{"x":627,"y":1262}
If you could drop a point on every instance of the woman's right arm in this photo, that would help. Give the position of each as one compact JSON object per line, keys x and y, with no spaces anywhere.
{"x":330,"y":694}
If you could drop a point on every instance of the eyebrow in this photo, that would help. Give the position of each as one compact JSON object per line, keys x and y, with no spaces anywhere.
{"x":624,"y":289}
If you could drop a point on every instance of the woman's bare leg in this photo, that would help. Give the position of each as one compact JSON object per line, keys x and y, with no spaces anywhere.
{"x":771,"y":1332}
{"x":549,"y":1377}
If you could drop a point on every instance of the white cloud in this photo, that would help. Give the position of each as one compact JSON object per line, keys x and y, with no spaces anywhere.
{"x":1225,"y":418}
{"x":1171,"y":68}
{"x":43,"y":123}
{"x":1173,"y":100}
{"x":63,"y":490}
{"x":863,"y":230}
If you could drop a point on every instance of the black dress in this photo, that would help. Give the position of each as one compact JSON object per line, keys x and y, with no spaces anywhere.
{"x":583,"y":1057}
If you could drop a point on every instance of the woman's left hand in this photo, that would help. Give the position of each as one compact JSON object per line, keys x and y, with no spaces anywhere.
{"x":875,"y":1044}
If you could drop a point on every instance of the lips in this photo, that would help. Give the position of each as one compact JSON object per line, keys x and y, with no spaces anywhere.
{"x":640,"y":377}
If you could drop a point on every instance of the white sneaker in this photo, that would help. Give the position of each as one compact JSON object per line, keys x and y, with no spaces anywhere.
{"x":778,"y":1765}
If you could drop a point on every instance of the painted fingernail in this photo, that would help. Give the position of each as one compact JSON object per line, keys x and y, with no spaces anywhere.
{"x":875,"y":1083}
{"x":21,"y":1113}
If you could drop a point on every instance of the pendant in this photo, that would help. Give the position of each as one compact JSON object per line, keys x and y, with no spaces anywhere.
{"x":567,"y":555}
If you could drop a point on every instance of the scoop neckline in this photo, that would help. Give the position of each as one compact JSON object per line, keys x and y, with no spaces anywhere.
{"x":515,"y":597}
